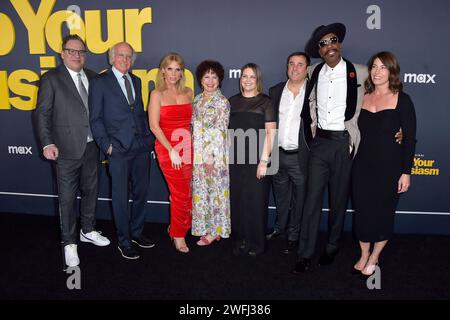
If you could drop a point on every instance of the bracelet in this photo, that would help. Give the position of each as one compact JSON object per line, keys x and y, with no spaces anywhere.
{"x":264,"y":161}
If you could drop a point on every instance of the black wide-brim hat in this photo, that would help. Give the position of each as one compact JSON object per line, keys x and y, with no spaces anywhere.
{"x":312,"y":47}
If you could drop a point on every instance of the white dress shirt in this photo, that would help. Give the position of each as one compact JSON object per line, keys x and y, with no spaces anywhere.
{"x":289,"y":117}
{"x":84,"y":79}
{"x":332,"y":96}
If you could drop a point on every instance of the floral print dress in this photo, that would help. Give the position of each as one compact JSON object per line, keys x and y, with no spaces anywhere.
{"x":210,"y":175}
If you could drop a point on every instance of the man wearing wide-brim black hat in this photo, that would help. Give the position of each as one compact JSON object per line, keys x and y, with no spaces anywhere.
{"x":335,"y":96}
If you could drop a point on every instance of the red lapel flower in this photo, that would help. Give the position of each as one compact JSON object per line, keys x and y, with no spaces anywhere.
{"x":351,"y":74}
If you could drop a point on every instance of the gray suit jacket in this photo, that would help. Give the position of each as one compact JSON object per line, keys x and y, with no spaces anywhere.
{"x":356,"y":75}
{"x":61,"y":116}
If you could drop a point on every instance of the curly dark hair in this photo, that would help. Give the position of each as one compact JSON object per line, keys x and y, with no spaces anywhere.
{"x":209,"y":65}
{"x":390,"y":61}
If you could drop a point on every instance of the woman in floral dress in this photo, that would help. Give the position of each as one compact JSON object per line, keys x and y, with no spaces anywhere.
{"x":210,"y":175}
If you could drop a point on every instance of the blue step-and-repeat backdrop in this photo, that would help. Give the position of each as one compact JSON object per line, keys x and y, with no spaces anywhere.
{"x":233,"y":32}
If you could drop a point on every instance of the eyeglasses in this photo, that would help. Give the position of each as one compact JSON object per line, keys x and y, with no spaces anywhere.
{"x":332,"y":40}
{"x":74,"y":52}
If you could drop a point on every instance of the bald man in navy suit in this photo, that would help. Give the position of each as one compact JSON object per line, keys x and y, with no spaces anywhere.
{"x":120,"y":128}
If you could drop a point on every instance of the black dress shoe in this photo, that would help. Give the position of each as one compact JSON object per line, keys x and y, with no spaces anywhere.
{"x":128,"y":252}
{"x":327,"y":259}
{"x":302,"y":266}
{"x":290,"y":247}
{"x":252,"y":253}
{"x":144,"y":242}
{"x":238,"y":252}
{"x":274,"y":235}
{"x":240,"y":249}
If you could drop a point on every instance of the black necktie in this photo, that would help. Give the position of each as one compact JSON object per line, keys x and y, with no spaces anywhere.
{"x":129,"y":91}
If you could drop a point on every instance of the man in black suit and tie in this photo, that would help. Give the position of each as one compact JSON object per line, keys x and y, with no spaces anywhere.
{"x":289,"y":182}
{"x":120,"y":128}
{"x":62,"y":116}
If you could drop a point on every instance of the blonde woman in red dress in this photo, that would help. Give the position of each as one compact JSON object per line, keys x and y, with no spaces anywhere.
{"x":170,"y":112}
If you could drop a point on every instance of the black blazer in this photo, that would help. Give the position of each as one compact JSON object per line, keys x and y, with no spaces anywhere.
{"x":61,"y":116}
{"x":112,"y":119}
{"x":352,"y":86}
{"x":356,"y":75}
{"x":275,"y":93}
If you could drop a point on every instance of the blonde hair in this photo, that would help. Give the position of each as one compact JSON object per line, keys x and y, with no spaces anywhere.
{"x":160,"y":84}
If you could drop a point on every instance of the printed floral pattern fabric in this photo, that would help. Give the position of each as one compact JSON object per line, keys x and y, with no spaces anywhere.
{"x":210,"y":183}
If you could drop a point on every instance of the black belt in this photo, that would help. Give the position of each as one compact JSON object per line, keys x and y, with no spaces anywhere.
{"x":288,"y":151}
{"x":332,"y":135}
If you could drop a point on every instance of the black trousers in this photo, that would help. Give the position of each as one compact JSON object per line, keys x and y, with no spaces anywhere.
{"x":73,"y":175}
{"x":249,"y":200}
{"x":130,"y":171}
{"x":289,"y":185}
{"x":330,"y":165}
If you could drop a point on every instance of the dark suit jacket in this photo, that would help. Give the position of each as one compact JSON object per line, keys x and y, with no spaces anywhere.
{"x":275,"y":94}
{"x":61,"y":116}
{"x":113,"y":121}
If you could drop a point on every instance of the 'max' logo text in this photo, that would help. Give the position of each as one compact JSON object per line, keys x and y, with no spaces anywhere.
{"x":234,"y":73}
{"x":419,"y":78}
{"x":19,"y":150}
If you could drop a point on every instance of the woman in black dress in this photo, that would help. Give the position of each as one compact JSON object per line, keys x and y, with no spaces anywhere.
{"x":382,"y":167}
{"x":252,"y":124}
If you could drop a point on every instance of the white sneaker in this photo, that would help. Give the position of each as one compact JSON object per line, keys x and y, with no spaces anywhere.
{"x":94,"y":237}
{"x":71,"y":255}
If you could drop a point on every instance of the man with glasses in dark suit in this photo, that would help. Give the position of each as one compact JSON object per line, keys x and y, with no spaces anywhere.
{"x":62,"y":116}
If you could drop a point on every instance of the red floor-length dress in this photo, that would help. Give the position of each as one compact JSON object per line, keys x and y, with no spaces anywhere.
{"x":175,"y":123}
